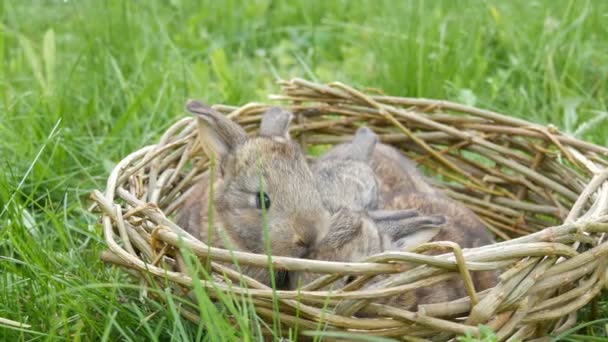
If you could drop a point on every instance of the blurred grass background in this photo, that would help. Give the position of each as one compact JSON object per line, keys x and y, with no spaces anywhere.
{"x":82,"y":83}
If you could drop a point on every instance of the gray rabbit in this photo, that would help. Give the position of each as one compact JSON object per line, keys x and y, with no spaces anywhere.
{"x":347,"y":181}
{"x":401,"y":186}
{"x":349,"y":190}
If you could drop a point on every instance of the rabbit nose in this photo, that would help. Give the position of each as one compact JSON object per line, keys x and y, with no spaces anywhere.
{"x":311,"y":226}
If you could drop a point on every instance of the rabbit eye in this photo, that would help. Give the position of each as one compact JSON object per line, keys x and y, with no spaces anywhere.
{"x":301,"y":243}
{"x":258,"y":201}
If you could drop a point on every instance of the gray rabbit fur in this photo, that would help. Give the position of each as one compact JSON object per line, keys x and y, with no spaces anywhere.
{"x":349,"y":190}
{"x":402,"y":186}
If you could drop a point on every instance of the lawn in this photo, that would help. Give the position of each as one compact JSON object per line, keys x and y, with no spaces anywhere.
{"x":84,"y":82}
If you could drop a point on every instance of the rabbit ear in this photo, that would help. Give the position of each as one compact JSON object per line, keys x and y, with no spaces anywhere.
{"x":405,"y":228}
{"x":275,"y":123}
{"x":218,"y":134}
{"x":416,"y":238}
{"x":363,"y":144}
{"x":392,"y":215}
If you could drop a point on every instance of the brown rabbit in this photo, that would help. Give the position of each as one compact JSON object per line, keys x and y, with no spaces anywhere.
{"x":348,"y":189}
{"x":401,"y":186}
{"x":267,"y":172}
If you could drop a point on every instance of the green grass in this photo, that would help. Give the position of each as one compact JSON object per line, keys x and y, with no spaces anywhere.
{"x":84,"y":82}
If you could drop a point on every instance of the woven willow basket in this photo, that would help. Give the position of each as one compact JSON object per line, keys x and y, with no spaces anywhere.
{"x":543,"y":194}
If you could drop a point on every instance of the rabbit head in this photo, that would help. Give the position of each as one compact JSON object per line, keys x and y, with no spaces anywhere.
{"x":262,"y":182}
{"x":355,"y":235}
{"x":345,"y":179}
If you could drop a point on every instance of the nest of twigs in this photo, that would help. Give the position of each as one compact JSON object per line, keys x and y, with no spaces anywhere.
{"x":542,"y":193}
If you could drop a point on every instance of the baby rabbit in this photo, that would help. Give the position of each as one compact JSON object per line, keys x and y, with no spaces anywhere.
{"x":348,"y":188}
{"x":402,"y":186}
{"x":270,"y":163}
{"x":347,"y":181}
{"x":353,"y":236}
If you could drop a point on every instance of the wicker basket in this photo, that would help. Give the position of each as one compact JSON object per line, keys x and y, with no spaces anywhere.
{"x":542,"y":193}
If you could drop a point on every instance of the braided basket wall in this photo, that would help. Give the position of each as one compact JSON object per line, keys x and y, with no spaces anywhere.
{"x":544,"y":194}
